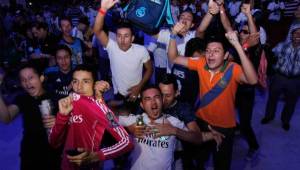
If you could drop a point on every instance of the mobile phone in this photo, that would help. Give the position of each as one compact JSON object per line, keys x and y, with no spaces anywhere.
{"x":73,"y":152}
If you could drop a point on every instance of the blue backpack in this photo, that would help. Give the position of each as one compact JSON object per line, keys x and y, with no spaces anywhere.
{"x":149,"y":15}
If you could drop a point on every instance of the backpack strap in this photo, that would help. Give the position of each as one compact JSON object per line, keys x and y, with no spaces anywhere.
{"x":127,"y":6}
{"x":216,"y":90}
{"x":169,"y":17}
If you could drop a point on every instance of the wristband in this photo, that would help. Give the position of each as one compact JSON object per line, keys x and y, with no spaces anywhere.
{"x":173,"y":36}
{"x":245,"y":46}
{"x":102,"y":11}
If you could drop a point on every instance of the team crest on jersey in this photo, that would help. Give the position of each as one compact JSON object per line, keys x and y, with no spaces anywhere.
{"x":111,"y":119}
{"x":222,"y":83}
{"x":75,"y":96}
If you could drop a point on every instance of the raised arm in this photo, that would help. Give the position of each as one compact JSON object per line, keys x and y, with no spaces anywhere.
{"x":99,"y":21}
{"x":224,"y":18}
{"x":249,"y":75}
{"x":213,"y":9}
{"x":246,"y":9}
{"x":58,"y":132}
{"x":172,"y":50}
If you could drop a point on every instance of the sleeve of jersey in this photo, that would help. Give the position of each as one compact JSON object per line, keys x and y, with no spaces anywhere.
{"x":58,"y":131}
{"x":237,"y":73}
{"x":188,"y":114}
{"x":193,"y":63}
{"x":122,"y":146}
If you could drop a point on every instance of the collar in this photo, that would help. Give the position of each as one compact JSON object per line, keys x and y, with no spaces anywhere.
{"x":222,"y":69}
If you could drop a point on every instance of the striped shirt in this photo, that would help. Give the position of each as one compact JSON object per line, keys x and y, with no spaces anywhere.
{"x":288,"y":59}
{"x":290,"y":8}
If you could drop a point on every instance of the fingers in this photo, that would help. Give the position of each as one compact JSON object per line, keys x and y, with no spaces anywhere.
{"x":178,"y":27}
{"x":79,"y":159}
{"x":101,"y":86}
{"x":65,"y":105}
{"x":48,"y":121}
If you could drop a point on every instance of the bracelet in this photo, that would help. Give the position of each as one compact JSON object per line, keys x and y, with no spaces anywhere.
{"x":102,"y":11}
{"x":173,"y":36}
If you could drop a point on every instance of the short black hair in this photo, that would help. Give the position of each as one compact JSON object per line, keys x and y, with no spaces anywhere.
{"x":87,"y":68}
{"x":40,"y":25}
{"x":63,"y":47}
{"x":194,"y":45}
{"x":32,"y":66}
{"x":188,"y":10}
{"x":147,"y":87}
{"x":125,"y":24}
{"x":219,"y":39}
{"x":65,"y":18}
{"x":169,"y":79}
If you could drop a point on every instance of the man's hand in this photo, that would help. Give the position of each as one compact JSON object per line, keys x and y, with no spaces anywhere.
{"x":213,"y":7}
{"x":232,"y":38}
{"x":100,"y":88}
{"x":85,"y":157}
{"x":134,"y":92}
{"x":165,"y":129}
{"x":219,"y":2}
{"x":217,"y":136}
{"x":252,"y":40}
{"x":107,"y":4}
{"x":177,"y":28}
{"x":65,"y":105}
{"x":48,"y":121}
{"x":141,"y":131}
{"x":246,"y":9}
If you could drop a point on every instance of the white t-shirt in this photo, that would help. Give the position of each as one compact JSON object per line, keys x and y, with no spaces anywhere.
{"x":164,"y":37}
{"x":126,"y":66}
{"x":152,"y":153}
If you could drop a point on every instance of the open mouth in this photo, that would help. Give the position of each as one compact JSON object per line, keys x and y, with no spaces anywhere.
{"x":30,"y":89}
{"x":211,"y":61}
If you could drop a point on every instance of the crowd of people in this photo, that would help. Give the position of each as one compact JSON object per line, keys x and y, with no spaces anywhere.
{"x":177,"y":94}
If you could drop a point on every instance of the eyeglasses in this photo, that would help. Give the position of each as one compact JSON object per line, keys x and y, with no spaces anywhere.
{"x":244,"y":31}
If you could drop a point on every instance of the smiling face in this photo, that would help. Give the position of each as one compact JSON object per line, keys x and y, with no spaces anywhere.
{"x":215,"y":55}
{"x":296,"y":37}
{"x":31,"y":82}
{"x":66,"y":27}
{"x":151,"y":102}
{"x":83,"y":83}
